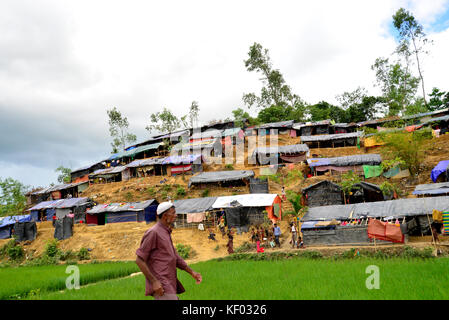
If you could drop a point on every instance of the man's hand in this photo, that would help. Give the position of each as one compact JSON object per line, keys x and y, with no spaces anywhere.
{"x":157,"y":287}
{"x":197,"y":276}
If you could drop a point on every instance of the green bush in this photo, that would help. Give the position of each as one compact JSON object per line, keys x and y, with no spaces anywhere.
{"x":51,"y":248}
{"x":66,"y":255}
{"x":129,"y":196}
{"x":180,"y":192}
{"x":217,"y":248}
{"x":410,"y":252}
{"x":83,"y":254}
{"x":229,"y":167}
{"x":151,"y":191}
{"x":4,"y":250}
{"x":205,"y":193}
{"x":16,"y":253}
{"x":185,"y":251}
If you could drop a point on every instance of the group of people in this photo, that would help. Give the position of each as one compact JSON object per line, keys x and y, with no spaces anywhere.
{"x":269,"y":236}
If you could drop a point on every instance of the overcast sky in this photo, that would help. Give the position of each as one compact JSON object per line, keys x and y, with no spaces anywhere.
{"x":64,"y":63}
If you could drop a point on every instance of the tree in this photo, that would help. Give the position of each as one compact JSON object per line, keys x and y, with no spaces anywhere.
{"x":397,"y":84}
{"x":164,"y":121}
{"x":12,"y":197}
{"x":438,"y":100}
{"x":406,"y":146}
{"x":411,"y":31}
{"x":275,"y":91}
{"x":324,"y":110}
{"x":118,"y":126}
{"x":364,"y":110}
{"x":65,"y":175}
{"x":348,"y":99}
{"x":348,"y":180}
{"x":190,"y":120}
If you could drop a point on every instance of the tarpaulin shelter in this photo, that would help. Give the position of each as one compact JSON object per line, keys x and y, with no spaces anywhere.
{"x":207,"y":147}
{"x":7,"y":224}
{"x":61,"y":208}
{"x":113,"y":174}
{"x":191,"y":163}
{"x":222,"y":177}
{"x":400,"y":208}
{"x":206,"y":135}
{"x":122,"y":212}
{"x":258,"y":186}
{"x":277,"y":154}
{"x":343,"y":164}
{"x":82,"y":174}
{"x":440,"y":171}
{"x":365,"y":192}
{"x":147,"y":167}
{"x":233,"y":136}
{"x":312,"y":128}
{"x":322,"y":193}
{"x":432,"y":189}
{"x":60,"y":191}
{"x":343,"y":127}
{"x":332,"y":140}
{"x":265,"y":201}
{"x":193,"y":210}
{"x":281,"y":127}
{"x":314,"y":234}
{"x":142,"y":151}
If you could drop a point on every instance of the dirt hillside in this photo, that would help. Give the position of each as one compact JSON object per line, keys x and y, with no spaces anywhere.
{"x":119,"y":241}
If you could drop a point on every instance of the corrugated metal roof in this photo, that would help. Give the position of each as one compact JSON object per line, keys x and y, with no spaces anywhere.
{"x":60,"y":203}
{"x":196,"y":205}
{"x":330,"y":137}
{"x":118,"y":207}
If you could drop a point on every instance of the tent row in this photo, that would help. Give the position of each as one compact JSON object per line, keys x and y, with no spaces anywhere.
{"x":239,"y":211}
{"x":342,"y":224}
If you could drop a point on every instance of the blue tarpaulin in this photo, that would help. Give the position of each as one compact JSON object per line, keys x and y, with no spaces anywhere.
{"x":440,"y":168}
{"x":7,"y":223}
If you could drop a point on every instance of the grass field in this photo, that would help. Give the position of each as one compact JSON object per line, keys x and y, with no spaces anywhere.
{"x":289,"y":280}
{"x":16,"y":283}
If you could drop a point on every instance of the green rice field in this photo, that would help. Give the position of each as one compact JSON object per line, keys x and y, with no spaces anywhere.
{"x":288,"y":279}
{"x":16,"y":283}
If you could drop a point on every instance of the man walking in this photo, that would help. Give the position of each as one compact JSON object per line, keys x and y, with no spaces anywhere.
{"x":157,"y":258}
{"x":277,"y":234}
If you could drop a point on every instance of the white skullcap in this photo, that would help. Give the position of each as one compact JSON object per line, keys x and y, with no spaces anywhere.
{"x":164,"y":206}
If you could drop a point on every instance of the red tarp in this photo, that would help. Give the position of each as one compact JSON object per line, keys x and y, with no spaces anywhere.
{"x":181,"y":168}
{"x":91,"y":219}
{"x":384,"y":231}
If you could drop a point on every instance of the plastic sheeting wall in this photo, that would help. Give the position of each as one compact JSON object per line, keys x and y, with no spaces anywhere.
{"x":339,"y":235}
{"x":323,"y":195}
{"x":258,"y":186}
{"x":25,"y":231}
{"x":63,"y":228}
{"x":5,"y":232}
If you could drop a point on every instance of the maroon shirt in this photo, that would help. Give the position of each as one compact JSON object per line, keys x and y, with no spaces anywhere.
{"x":156,"y":249}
